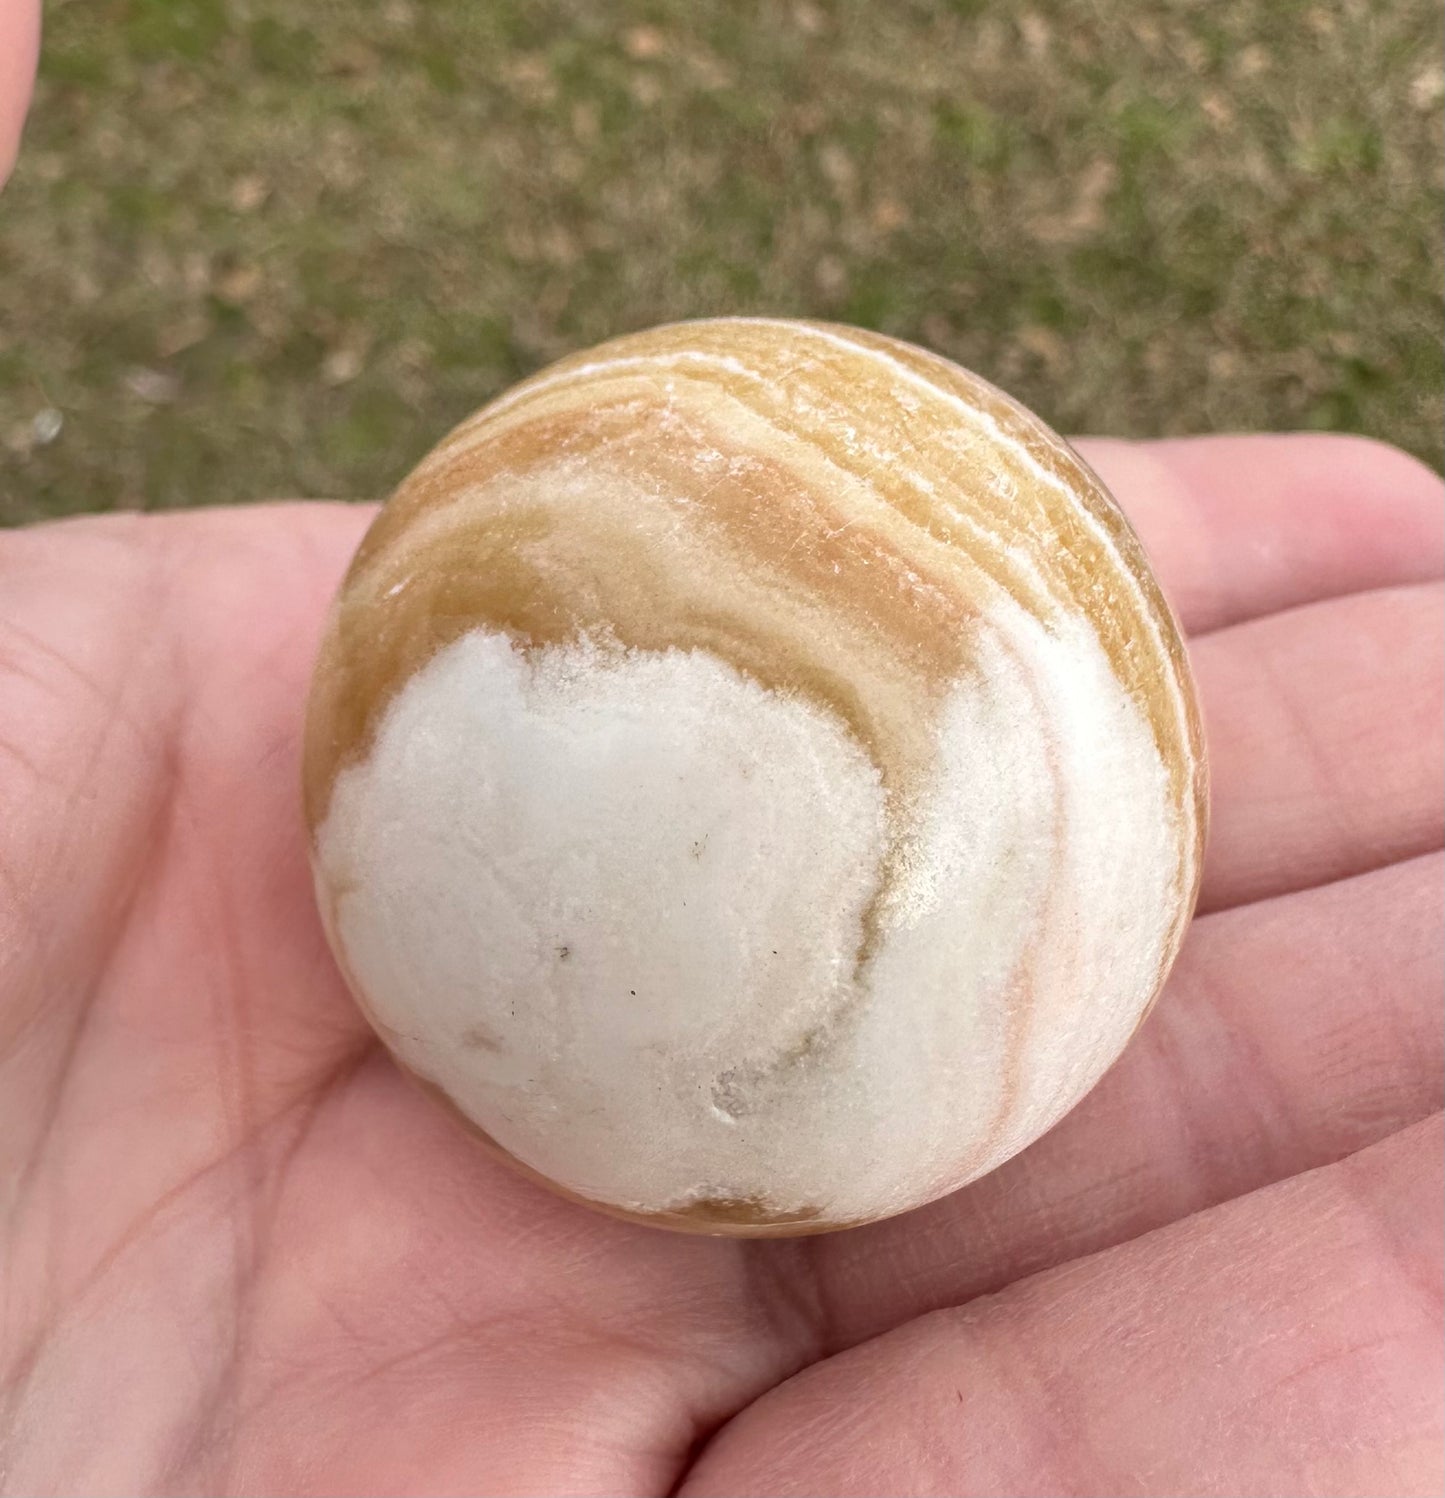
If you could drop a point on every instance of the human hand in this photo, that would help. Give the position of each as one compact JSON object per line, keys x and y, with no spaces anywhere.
{"x":240,"y":1253}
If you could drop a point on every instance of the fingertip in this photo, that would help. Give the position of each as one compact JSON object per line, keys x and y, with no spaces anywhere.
{"x":1393,"y":483}
{"x":1244,"y":525}
{"x":1358,"y":483}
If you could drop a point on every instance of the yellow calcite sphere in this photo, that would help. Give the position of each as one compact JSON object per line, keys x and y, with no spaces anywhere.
{"x":753,"y":775}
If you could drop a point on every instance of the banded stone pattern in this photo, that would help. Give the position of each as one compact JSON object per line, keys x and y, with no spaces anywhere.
{"x":754,"y":776}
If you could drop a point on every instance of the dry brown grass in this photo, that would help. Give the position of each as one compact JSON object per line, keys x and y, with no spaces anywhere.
{"x":259,"y":248}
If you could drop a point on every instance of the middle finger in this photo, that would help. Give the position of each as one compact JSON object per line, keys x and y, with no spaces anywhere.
{"x":1293,"y":1032}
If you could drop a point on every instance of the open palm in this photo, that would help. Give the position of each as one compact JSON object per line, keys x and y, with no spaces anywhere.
{"x":241,"y":1253}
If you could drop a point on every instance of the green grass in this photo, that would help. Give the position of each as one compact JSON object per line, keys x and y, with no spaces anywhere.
{"x":257,"y":248}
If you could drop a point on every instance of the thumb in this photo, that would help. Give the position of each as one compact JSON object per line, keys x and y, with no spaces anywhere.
{"x":19,"y":47}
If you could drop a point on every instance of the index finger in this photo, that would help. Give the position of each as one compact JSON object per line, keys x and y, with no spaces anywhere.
{"x":1242,"y":526}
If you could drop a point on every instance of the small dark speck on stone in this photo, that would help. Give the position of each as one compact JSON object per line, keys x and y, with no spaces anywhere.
{"x":480,"y":1038}
{"x":563,"y":953}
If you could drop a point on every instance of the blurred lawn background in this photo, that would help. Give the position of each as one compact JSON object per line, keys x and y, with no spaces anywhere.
{"x":267,"y":247}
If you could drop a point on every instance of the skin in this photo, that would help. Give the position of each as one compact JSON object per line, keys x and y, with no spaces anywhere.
{"x":19,"y":45}
{"x":239,"y":1253}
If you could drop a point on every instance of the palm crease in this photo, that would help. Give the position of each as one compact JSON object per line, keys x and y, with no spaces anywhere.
{"x":240,"y":1253}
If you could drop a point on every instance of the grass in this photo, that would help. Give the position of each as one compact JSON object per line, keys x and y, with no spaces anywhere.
{"x":258,"y":248}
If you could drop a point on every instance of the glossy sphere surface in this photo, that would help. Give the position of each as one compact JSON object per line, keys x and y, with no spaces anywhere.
{"x":753,"y":774}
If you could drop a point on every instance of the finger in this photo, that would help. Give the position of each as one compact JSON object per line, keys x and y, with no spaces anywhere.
{"x":1286,"y":1342}
{"x":19,"y":44}
{"x":1293,"y":1032}
{"x":1242,"y":526}
{"x":1326,"y":734}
